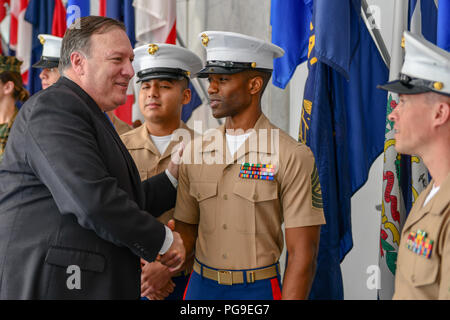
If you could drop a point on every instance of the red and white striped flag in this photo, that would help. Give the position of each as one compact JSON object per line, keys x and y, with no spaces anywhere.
{"x":20,"y":35}
{"x":156,"y":21}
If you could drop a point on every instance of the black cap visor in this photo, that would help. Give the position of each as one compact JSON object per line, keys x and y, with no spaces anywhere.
{"x":400,"y":87}
{"x":218,"y":70}
{"x":46,"y":63}
{"x":227,"y":67}
{"x":408,"y":85}
{"x":162,"y":73}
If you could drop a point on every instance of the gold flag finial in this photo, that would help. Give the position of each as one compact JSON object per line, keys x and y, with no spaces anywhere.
{"x":205,"y":39}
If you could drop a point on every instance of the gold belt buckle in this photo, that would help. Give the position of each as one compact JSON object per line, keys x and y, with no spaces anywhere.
{"x":225,"y":277}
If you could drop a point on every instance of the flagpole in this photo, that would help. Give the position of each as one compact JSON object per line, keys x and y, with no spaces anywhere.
{"x":376,"y":35}
{"x":400,"y":25}
{"x":393,"y":207}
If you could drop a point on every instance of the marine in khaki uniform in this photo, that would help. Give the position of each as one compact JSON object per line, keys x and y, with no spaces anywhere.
{"x":422,"y":124}
{"x":163,"y":71}
{"x":240,"y":182}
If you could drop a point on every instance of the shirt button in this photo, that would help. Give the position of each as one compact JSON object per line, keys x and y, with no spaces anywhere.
{"x":225,"y":197}
{"x":413,"y":278}
{"x":198,"y":195}
{"x":224,"y":256}
{"x":224,"y":226}
{"x":255,"y":197}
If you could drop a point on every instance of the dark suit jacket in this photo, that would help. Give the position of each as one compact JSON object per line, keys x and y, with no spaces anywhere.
{"x":70,"y":194}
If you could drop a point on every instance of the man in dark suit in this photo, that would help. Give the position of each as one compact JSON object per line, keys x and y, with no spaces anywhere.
{"x":74,"y":216}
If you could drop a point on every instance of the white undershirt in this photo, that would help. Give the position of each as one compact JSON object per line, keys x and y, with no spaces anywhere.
{"x":161,"y":143}
{"x":432,"y":193}
{"x":235,"y":142}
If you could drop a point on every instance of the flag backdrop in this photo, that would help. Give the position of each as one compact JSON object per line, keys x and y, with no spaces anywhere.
{"x":404,"y":176}
{"x":342,"y":121}
{"x":288,"y":18}
{"x":28,"y":18}
{"x":21,"y":44}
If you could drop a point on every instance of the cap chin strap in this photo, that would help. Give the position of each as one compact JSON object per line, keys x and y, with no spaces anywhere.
{"x":161,"y":72}
{"x":408,"y":81}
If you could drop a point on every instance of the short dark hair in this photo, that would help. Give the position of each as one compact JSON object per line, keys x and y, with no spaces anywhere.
{"x":78,"y":36}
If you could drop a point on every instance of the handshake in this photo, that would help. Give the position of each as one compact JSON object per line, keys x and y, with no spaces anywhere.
{"x":175,"y":256}
{"x":156,"y":277}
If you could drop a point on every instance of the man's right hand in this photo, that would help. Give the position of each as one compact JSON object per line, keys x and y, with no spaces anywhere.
{"x":175,"y":256}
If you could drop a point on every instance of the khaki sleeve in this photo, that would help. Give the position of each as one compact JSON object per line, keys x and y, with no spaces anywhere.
{"x":301,"y":196}
{"x":444,"y":285}
{"x":186,"y":208}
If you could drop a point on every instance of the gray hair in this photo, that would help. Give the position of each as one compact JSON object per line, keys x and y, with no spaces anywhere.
{"x":78,"y":35}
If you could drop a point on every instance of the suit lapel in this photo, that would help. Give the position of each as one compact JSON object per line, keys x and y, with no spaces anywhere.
{"x":111,"y":131}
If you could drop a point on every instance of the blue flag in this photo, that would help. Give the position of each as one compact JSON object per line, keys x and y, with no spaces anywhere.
{"x":443,"y":29}
{"x":189,"y":108}
{"x":428,"y":12}
{"x":123,"y":10}
{"x":83,"y":10}
{"x":288,"y":18}
{"x":40,"y":14}
{"x":343,"y":121}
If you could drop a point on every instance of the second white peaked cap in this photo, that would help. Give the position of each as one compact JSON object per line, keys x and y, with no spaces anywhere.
{"x":229,"y":52}
{"x":51,"y":51}
{"x":162,"y":60}
{"x":426,"y":68}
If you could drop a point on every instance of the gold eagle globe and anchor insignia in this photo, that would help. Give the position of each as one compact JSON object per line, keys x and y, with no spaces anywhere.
{"x":42,"y":40}
{"x":152,"y":48}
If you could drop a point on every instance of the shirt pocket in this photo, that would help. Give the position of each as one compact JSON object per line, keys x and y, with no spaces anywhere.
{"x":420,"y":271}
{"x":259,"y":210}
{"x":206,"y":195}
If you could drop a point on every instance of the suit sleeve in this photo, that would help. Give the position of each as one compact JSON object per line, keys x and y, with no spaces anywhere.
{"x":63,"y":151}
{"x":160,"y":194}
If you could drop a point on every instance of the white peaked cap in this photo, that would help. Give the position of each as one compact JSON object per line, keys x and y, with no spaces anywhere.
{"x":426,"y":68}
{"x":162,"y":60}
{"x":51,"y":51}
{"x":243,"y":51}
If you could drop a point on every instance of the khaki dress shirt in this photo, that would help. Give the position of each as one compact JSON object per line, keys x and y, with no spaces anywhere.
{"x":147,"y":157}
{"x":419,"y":277}
{"x":121,"y":126}
{"x":239,"y":218}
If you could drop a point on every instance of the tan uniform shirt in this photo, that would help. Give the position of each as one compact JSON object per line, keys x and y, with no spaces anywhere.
{"x":416,"y":276}
{"x":240,"y":219}
{"x":147,"y":157}
{"x":121,"y":126}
